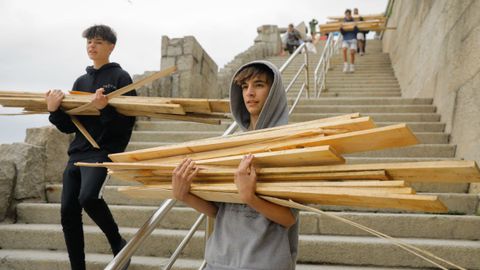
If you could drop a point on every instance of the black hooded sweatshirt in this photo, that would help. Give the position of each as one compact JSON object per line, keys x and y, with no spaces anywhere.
{"x":111,"y":130}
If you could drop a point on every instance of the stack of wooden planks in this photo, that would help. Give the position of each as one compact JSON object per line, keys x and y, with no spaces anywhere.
{"x":209,"y":111}
{"x":364,"y":23}
{"x":302,"y":162}
{"x":358,"y":18}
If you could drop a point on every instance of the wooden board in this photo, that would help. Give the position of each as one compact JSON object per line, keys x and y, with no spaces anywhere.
{"x":449,"y":171}
{"x":411,"y":202}
{"x":291,"y":191}
{"x":357,"y":17}
{"x":295,"y":157}
{"x":236,"y":140}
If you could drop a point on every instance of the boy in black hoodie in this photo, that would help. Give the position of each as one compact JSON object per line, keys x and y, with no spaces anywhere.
{"x":111,"y":130}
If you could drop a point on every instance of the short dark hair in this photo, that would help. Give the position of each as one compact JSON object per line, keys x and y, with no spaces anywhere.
{"x":100,"y":31}
{"x":348,"y":11}
{"x":252,"y":71}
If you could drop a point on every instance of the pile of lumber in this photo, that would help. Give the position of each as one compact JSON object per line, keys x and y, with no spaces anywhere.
{"x":364,"y":23}
{"x":369,"y":17}
{"x":370,"y":25}
{"x":302,"y":162}
{"x":187,"y":109}
{"x":209,"y":111}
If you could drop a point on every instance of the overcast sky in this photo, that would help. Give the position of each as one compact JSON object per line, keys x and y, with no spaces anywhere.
{"x":41,"y":45}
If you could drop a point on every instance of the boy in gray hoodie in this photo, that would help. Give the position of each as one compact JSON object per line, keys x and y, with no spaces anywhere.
{"x":257,"y":234}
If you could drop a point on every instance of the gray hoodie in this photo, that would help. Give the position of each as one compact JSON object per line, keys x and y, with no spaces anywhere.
{"x":275,"y":109}
{"x":243,"y":238}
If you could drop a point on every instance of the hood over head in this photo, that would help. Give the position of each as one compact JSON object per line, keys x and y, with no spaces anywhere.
{"x":275,"y":110}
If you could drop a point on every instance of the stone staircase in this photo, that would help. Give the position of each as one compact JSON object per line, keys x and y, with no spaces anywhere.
{"x":36,"y":240}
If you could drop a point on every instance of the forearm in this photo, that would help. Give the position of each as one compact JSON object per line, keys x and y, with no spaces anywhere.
{"x":274,"y":212}
{"x":199,"y":204}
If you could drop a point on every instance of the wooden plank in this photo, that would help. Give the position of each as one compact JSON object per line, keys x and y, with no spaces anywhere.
{"x":236,"y":140}
{"x":128,"y":88}
{"x":365,"y":140}
{"x":294,"y":157}
{"x":356,"y":183}
{"x":380,"y":16}
{"x":448,"y":171}
{"x":351,"y":142}
{"x":291,"y":191}
{"x":411,"y":202}
{"x":219,"y":105}
{"x":84,"y":132}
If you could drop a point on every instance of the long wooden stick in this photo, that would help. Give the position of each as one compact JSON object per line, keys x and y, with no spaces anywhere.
{"x":84,"y":131}
{"x":394,"y":201}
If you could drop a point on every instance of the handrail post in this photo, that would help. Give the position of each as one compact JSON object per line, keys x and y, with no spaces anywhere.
{"x":307,"y":75}
{"x":127,"y":251}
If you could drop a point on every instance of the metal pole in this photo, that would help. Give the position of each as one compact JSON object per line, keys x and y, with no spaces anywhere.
{"x":208,"y":232}
{"x":307,"y":75}
{"x":127,"y":252}
{"x":184,"y":242}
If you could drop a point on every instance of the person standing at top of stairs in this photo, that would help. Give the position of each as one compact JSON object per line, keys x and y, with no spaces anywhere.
{"x":82,"y":186}
{"x":349,"y":42}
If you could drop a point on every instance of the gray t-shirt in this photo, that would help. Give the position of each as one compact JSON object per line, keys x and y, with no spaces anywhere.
{"x":245,"y":239}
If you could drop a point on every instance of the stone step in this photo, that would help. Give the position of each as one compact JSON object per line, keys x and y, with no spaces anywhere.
{"x":362,"y":80}
{"x":419,"y":150}
{"x":325,"y":249}
{"x":16,"y":259}
{"x":365,"y":101}
{"x":178,"y":125}
{"x":360,"y":90}
{"x":358,"y":94}
{"x":377,"y":117}
{"x":171,"y":136}
{"x":365,"y":109}
{"x":364,"y":73}
{"x":47,"y":260}
{"x":456,"y":203}
{"x":370,"y":85}
{"x":396,"y":225}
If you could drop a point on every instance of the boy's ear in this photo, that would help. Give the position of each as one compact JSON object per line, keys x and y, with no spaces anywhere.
{"x":112,"y":46}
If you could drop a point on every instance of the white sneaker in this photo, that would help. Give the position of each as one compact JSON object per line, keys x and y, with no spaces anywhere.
{"x":345,"y":67}
{"x":361,"y":53}
{"x":352,"y":68}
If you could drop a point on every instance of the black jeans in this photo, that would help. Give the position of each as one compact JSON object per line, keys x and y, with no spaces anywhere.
{"x":81,"y":189}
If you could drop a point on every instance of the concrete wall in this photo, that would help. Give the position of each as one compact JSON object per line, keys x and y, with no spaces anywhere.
{"x":435,"y":52}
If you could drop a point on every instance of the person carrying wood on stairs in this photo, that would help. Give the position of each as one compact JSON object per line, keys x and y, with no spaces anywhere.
{"x":349,"y":43}
{"x":256,"y":234}
{"x":111,"y":130}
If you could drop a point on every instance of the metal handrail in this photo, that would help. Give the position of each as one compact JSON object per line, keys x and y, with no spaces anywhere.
{"x":320,"y":74}
{"x":121,"y":259}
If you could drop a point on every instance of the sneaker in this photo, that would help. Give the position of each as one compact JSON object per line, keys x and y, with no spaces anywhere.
{"x":352,"y":68}
{"x":345,"y":67}
{"x":361,"y":53}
